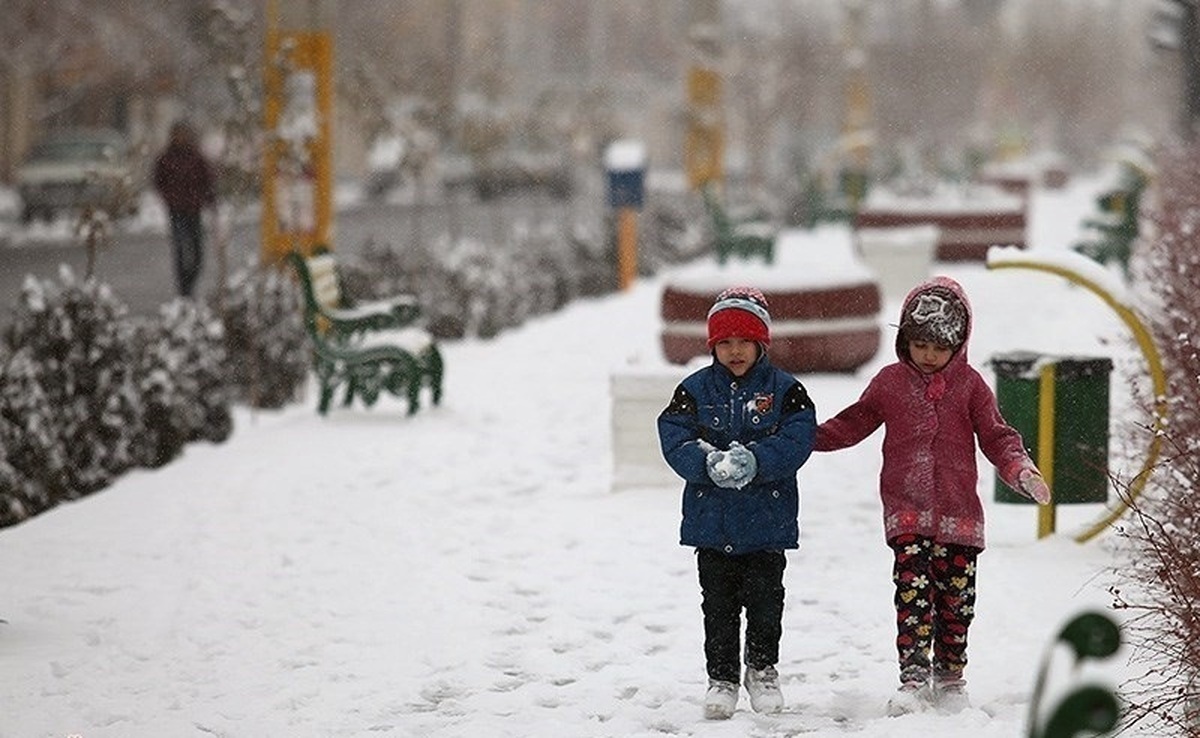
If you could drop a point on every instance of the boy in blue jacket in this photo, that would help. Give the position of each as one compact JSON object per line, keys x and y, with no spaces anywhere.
{"x":737,"y":431}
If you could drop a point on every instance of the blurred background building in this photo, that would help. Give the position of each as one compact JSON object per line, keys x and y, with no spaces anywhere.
{"x":945,"y":76}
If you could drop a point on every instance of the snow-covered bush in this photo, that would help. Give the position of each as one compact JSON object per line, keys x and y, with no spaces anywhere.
{"x":184,"y":381}
{"x":267,"y":349}
{"x":675,"y":228}
{"x":33,"y":464}
{"x":88,"y":391}
{"x":382,"y":270}
{"x":469,"y":288}
{"x":1161,"y":587}
{"x":80,"y":343}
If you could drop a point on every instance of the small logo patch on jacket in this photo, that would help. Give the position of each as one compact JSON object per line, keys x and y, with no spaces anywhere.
{"x":763,"y":403}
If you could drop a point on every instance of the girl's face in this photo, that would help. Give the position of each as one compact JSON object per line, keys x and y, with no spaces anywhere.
{"x":929,"y":357}
{"x":736,"y":354}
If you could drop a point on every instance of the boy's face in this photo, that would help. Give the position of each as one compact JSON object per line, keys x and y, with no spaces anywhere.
{"x":929,"y":357}
{"x":736,"y":354}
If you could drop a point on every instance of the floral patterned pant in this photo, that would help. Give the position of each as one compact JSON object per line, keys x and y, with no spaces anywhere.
{"x":935,"y":603}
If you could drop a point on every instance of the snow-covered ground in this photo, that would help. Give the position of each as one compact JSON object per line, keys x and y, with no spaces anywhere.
{"x":469,"y":571}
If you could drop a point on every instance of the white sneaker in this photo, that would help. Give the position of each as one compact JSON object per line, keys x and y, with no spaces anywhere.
{"x":911,"y":697}
{"x":950,"y":694}
{"x":721,"y":700}
{"x":763,"y":686}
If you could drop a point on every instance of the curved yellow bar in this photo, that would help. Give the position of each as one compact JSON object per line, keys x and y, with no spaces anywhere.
{"x":1157,"y":376}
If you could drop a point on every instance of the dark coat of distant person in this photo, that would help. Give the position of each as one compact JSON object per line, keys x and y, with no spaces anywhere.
{"x":182,"y":175}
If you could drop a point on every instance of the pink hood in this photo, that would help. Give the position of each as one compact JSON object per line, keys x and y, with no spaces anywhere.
{"x":936,"y":382}
{"x":938,"y":281}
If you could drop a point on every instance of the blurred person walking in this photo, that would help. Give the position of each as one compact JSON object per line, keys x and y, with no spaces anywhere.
{"x":184,"y":180}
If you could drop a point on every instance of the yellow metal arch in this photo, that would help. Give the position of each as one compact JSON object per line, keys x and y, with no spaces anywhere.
{"x":1157,"y":375}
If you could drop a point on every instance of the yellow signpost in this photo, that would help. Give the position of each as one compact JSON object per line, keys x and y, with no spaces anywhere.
{"x":704,"y":146}
{"x":297,"y":176}
{"x":856,"y":127}
{"x":704,"y":142}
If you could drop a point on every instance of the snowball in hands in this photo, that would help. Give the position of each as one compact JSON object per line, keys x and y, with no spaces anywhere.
{"x":733,"y":468}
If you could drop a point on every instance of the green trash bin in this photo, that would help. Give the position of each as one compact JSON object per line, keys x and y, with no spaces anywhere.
{"x":1081,"y":390}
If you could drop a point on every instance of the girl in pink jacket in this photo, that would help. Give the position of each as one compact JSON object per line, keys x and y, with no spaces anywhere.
{"x":933,"y":406}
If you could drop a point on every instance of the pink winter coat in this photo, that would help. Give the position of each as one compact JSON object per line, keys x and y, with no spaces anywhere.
{"x":929,"y":477}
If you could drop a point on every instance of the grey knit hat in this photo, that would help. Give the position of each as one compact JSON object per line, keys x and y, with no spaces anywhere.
{"x":935,"y":315}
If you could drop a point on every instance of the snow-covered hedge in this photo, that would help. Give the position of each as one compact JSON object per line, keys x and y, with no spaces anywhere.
{"x":75,"y":342}
{"x":267,"y":348}
{"x":470,"y":288}
{"x":185,"y":384}
{"x":88,"y":391}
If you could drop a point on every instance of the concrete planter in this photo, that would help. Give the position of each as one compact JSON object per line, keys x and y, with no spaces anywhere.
{"x":901,"y":258}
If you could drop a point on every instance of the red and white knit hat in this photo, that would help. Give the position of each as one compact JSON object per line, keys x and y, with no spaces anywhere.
{"x":739,"y":312}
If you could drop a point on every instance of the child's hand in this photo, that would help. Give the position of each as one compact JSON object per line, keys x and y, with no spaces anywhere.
{"x":732,"y":469}
{"x":719,"y":468}
{"x":1032,"y":484}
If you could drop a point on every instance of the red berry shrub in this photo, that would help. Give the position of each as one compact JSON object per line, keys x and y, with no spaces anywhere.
{"x":1161,"y":537}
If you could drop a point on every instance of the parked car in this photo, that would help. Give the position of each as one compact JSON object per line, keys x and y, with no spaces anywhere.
{"x":509,"y":171}
{"x":69,"y":170}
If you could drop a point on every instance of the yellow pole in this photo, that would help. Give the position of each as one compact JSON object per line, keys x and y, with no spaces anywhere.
{"x":703,"y":151}
{"x":626,"y":247}
{"x":1047,"y":514}
{"x":298,"y":83}
{"x":321,"y":148}
{"x":271,"y":103}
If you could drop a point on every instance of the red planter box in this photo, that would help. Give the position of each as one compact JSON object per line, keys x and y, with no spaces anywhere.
{"x":966,"y":235}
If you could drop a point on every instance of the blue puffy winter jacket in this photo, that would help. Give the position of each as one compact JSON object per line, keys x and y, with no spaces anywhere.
{"x":768,"y":411}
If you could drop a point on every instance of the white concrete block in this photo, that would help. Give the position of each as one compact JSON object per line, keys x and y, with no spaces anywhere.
{"x":639,"y":394}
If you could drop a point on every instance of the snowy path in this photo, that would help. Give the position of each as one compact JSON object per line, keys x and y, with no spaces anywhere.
{"x":467,"y":572}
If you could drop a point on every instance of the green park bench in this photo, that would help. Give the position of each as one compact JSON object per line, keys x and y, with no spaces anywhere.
{"x":1115,"y":228}
{"x":753,"y":237}
{"x":366,"y":348}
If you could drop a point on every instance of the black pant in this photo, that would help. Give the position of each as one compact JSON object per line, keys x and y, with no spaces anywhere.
{"x":187,"y":238}
{"x":752,"y":581}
